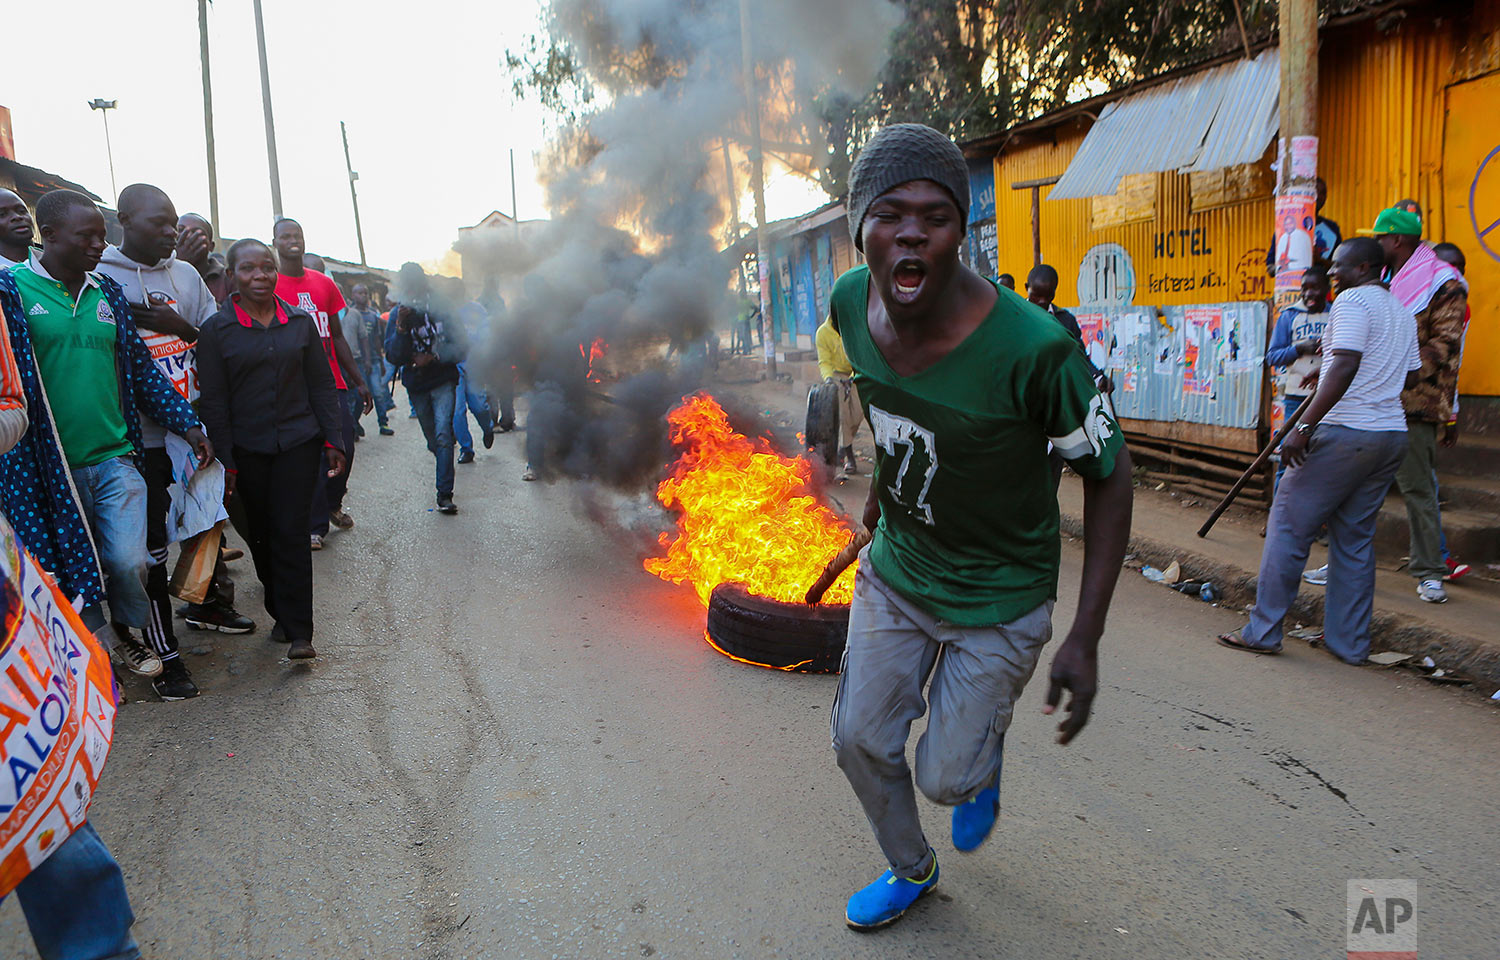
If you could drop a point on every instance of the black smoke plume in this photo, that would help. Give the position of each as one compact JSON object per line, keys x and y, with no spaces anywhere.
{"x":629,"y":258}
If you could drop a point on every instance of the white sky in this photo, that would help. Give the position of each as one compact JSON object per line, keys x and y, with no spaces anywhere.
{"x":428,"y":105}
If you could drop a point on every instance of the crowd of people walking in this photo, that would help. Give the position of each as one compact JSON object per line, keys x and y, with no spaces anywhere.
{"x":256,"y":359}
{"x":261,"y":367}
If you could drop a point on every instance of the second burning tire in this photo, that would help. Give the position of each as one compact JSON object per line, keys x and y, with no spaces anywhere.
{"x":799,"y":637}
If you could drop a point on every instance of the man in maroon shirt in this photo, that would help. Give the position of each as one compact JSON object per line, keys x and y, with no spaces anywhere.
{"x":319,"y":296}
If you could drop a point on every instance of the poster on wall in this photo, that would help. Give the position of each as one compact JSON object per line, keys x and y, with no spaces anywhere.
{"x":1166,"y":358}
{"x":1304,"y":158}
{"x":1132,"y":334}
{"x":1296,"y":217}
{"x":1129,"y":329}
{"x":1095,"y":330}
{"x":1203,"y":349}
{"x":1239,"y":354}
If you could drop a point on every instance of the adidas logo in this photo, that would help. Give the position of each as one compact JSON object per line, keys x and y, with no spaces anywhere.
{"x":37,"y":310}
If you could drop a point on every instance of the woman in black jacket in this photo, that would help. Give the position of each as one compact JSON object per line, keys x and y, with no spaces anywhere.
{"x":268,"y":400}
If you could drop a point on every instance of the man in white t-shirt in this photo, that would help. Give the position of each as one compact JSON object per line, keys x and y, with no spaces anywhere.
{"x":1342,"y":459}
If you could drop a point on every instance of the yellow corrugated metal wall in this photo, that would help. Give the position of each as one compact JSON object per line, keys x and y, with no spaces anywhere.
{"x":1228,"y":261}
{"x":1380,"y":119}
{"x":1381,"y":127}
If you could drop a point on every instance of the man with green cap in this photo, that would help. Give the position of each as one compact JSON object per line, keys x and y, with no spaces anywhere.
{"x":964,"y":384}
{"x":1438,"y":297}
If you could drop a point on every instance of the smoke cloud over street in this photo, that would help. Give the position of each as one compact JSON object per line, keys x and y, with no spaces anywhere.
{"x":630,"y":259}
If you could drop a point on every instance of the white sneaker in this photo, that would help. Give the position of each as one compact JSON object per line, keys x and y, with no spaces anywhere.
{"x":1318,"y":577}
{"x":135,"y":656}
{"x":316,"y":542}
{"x":1432,"y":591}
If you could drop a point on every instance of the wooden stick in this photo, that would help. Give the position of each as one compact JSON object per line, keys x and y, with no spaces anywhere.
{"x":1239,"y":484}
{"x":837,"y":565}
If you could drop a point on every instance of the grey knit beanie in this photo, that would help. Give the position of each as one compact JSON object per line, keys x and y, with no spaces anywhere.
{"x":898,"y":154}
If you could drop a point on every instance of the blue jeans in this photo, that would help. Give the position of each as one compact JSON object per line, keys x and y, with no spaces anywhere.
{"x":75,"y":903}
{"x":435,"y":413}
{"x":466,"y":401}
{"x":1293,"y":404}
{"x":1342,"y":482}
{"x":112,"y":495}
{"x":377,"y":376}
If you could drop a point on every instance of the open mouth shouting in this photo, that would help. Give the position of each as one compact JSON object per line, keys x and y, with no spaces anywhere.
{"x":907,"y":279}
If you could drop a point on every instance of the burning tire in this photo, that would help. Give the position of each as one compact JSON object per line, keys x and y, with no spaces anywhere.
{"x":822,"y":427}
{"x":785,"y":636}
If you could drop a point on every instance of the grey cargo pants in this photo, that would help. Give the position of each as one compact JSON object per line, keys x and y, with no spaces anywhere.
{"x":977,"y":674}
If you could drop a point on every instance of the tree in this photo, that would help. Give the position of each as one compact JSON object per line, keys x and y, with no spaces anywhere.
{"x":967,"y":67}
{"x":974,"y":67}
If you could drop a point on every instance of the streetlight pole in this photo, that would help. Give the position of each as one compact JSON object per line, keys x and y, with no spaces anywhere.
{"x":208,"y":117}
{"x":758,"y":185}
{"x":265,"y":97}
{"x":359,"y":233}
{"x":104,"y":107}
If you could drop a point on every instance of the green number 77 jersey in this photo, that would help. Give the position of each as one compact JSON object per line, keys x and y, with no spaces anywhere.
{"x":968,"y":515}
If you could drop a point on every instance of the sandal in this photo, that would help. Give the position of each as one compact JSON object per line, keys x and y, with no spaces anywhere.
{"x":1233,"y":642}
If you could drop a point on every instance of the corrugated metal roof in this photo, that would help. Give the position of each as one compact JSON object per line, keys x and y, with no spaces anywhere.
{"x":1248,"y":116}
{"x":34,"y":181}
{"x":1215,"y":118}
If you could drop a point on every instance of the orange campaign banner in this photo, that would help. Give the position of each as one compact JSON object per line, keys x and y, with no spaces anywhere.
{"x":57,"y":714}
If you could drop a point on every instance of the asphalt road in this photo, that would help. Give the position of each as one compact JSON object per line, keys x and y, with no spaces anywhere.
{"x":516,"y":744}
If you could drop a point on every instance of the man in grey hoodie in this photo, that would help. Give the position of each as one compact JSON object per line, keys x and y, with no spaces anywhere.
{"x":169,"y":301}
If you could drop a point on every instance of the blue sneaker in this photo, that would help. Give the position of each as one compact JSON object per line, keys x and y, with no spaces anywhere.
{"x":883,"y":902}
{"x":973,"y":821}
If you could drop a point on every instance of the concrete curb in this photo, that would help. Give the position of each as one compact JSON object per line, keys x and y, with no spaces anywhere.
{"x":1477,"y":658}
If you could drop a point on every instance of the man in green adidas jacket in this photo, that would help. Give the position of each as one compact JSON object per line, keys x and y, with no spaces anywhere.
{"x":965,"y":385}
{"x":74,"y":329}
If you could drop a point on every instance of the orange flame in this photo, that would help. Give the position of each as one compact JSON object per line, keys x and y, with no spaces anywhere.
{"x":593,"y":354}
{"x":745,"y":513}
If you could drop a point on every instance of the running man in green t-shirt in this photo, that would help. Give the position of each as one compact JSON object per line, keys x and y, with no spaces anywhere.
{"x":965,"y":385}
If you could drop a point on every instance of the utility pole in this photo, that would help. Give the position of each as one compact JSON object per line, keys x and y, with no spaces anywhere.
{"x":359,"y":233}
{"x":104,"y":107}
{"x":1297,"y":172}
{"x":265,"y":97}
{"x":758,"y":187}
{"x":1296,"y":192}
{"x":515,"y":213}
{"x":208,"y":117}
